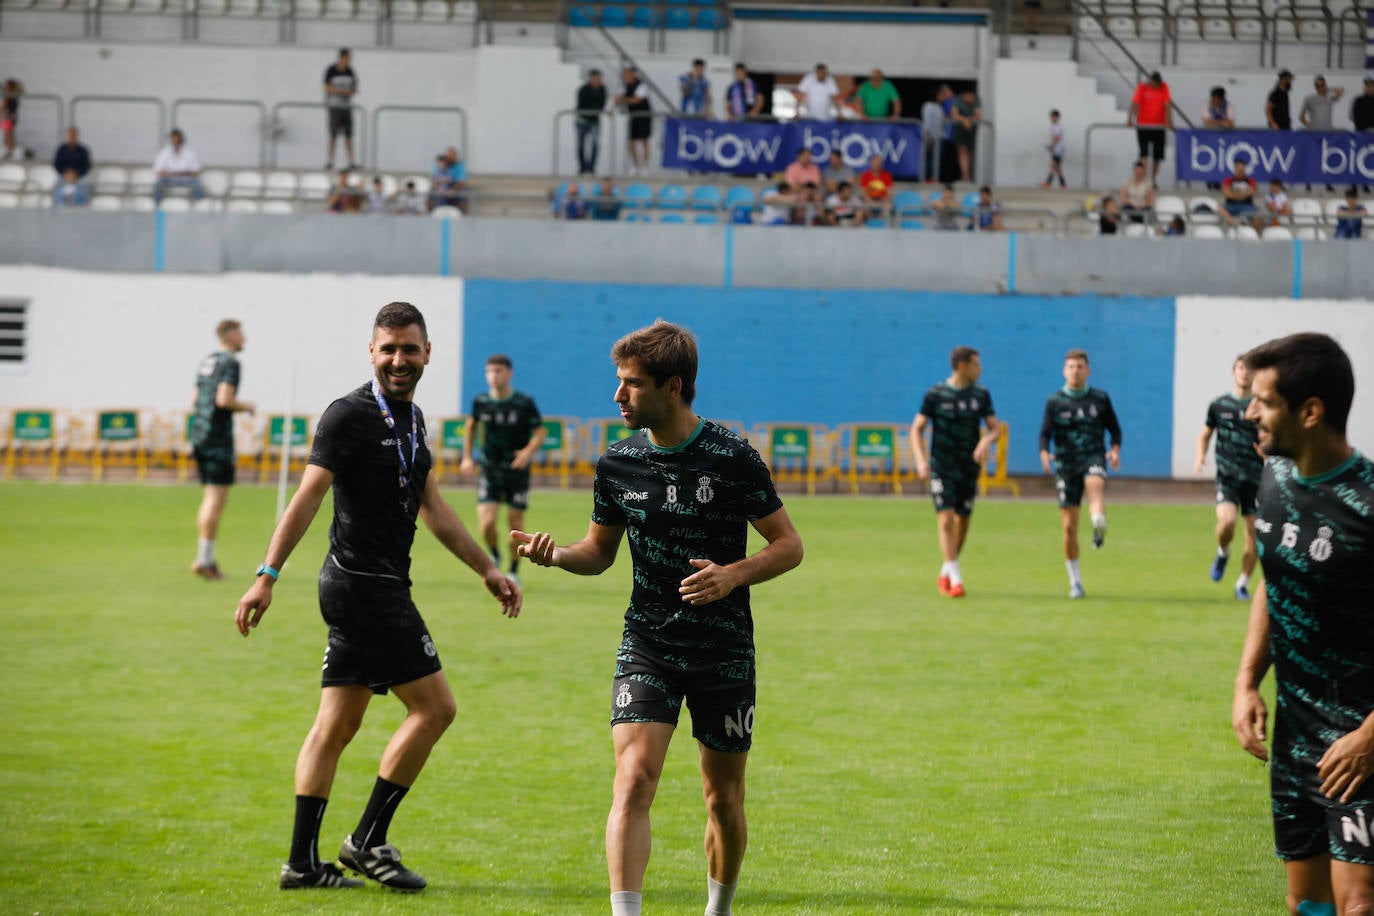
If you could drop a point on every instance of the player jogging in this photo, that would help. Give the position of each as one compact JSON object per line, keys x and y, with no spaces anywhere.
{"x":1238,"y":473}
{"x":511,"y":431}
{"x":1314,"y":623}
{"x":370,"y":447}
{"x":212,"y":439}
{"x":1076,"y":419}
{"x":685,"y":491}
{"x":956,"y":411}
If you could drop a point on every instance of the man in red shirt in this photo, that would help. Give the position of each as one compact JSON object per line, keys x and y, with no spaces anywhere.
{"x":876,"y":183}
{"x":1152,"y":114}
{"x":1238,"y":190}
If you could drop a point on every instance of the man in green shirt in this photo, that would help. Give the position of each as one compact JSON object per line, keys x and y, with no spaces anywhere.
{"x":211,"y":436}
{"x":878,"y":98}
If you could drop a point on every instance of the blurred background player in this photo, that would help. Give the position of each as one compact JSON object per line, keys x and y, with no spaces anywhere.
{"x":1076,"y":418}
{"x":1238,"y":473}
{"x":956,"y":411}
{"x":212,"y":439}
{"x":511,"y":432}
{"x":1314,"y":623}
{"x":1056,"y":148}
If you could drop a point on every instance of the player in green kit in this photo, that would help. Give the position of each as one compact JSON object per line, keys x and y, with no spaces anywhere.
{"x":212,"y":439}
{"x":1076,"y":419}
{"x":511,"y":431}
{"x":956,"y":411}
{"x":1238,"y":473}
{"x":683,"y":491}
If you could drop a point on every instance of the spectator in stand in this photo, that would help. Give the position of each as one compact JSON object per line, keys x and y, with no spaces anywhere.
{"x":1056,"y":148}
{"x":742,"y":100}
{"x":409,"y":201}
{"x":1238,"y":192}
{"x":591,"y":101}
{"x":1316,"y":108}
{"x":606,"y":205}
{"x":836,"y":172}
{"x":635,"y":97}
{"x":340,"y":85}
{"x":876,"y":185}
{"x":696,"y":90}
{"x":1362,"y":109}
{"x":1152,"y":113}
{"x":377,"y":201}
{"x":968,"y":111}
{"x":878,"y":98}
{"x":344,"y":197}
{"x":448,"y":181}
{"x":177,"y":166}
{"x":816,"y":94}
{"x":1138,"y":194}
{"x":1350,"y":216}
{"x":71,"y":191}
{"x":987,"y":216}
{"x":777,"y":206}
{"x":1177,"y":228}
{"x":946,"y":209}
{"x":841,"y":207}
{"x":1276,"y":203}
{"x":72,"y":156}
{"x":574,"y":207}
{"x":12,"y":91}
{"x":948,"y":159}
{"x":1032,"y":8}
{"x":1218,"y":113}
{"x":932,"y":133}
{"x":802,"y":172}
{"x":1108,"y":215}
{"x":1276,"y":113}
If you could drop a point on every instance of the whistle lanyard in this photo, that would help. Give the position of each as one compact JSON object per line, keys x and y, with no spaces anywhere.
{"x":405,"y":466}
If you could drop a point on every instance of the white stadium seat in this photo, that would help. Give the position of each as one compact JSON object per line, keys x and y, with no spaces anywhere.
{"x":207,"y":205}
{"x":216,"y":182}
{"x":8,"y":200}
{"x":1306,"y":211}
{"x":241,"y":205}
{"x":446,"y":212}
{"x":110,"y":179}
{"x":140,"y":205}
{"x":314,"y":186}
{"x":107,"y":203}
{"x":1277,"y":234}
{"x":1245,"y":233}
{"x":1208,"y":232}
{"x":246,"y":183}
{"x":279,"y":207}
{"x":280,"y":186}
{"x":175,"y":205}
{"x":141,"y":180}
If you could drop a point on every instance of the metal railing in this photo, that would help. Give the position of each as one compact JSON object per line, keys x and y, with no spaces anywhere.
{"x":276,"y":128}
{"x":158,"y":104}
{"x":611,"y":149}
{"x":374,"y":134}
{"x":264,"y":124}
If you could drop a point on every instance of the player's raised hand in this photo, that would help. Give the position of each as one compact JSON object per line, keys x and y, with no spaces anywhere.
{"x":505,"y":590}
{"x":253,"y":604}
{"x":1248,"y":715}
{"x":1346,"y":764}
{"x":538,"y":547}
{"x":710,"y":583}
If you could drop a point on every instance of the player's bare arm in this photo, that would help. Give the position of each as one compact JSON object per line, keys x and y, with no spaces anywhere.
{"x":227,"y":398}
{"x":590,"y":556}
{"x":525,"y":456}
{"x":1046,"y":461}
{"x":449,"y":530}
{"x":1348,"y":762}
{"x":1203,"y":440}
{"x":1248,"y":712}
{"x":295,"y":521}
{"x":783,"y":552}
{"x":918,"y":446}
{"x":470,"y":429}
{"x":980,"y":451}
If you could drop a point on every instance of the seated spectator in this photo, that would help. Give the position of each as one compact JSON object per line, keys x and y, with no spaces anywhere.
{"x":802,"y":172}
{"x":343,"y":196}
{"x":1218,"y":113}
{"x":1138,"y":194}
{"x":1177,"y":228}
{"x":841,"y":207}
{"x":1108,"y":215}
{"x":408,"y":201}
{"x":987,"y":217}
{"x":606,"y":205}
{"x":177,"y":166}
{"x":777,"y":205}
{"x":71,"y":191}
{"x":946,"y":209}
{"x":448,"y":181}
{"x":377,"y":201}
{"x":835,"y":172}
{"x":13,"y":91}
{"x":1276,"y":202}
{"x":1350,"y":216}
{"x":574,"y":207}
{"x":810,"y":204}
{"x":72,"y":156}
{"x":1238,"y":194}
{"x":876,"y":184}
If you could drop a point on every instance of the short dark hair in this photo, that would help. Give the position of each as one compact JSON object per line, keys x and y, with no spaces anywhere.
{"x":1309,"y":366}
{"x":985,"y":190}
{"x":499,"y":359}
{"x":593,"y":72}
{"x":739,"y":65}
{"x":960,"y":355}
{"x":226,"y":327}
{"x":1218,"y":92}
{"x":1352,"y":191}
{"x":1054,"y":112}
{"x":664,"y":350}
{"x":400,"y":315}
{"x":1285,"y":73}
{"x":822,"y":67}
{"x":1076,"y":353}
{"x":698,"y":62}
{"x":344,"y":52}
{"x":1156,"y":78}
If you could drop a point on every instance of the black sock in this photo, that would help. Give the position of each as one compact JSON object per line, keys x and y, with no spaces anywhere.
{"x":305,"y":835}
{"x":495,"y":555}
{"x":514,"y":563}
{"x":377,"y":818}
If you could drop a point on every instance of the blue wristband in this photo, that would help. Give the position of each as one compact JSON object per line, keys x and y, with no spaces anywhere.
{"x":264,"y":569}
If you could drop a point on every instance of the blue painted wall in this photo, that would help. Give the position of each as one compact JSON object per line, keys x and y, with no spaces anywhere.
{"x":834,"y":356}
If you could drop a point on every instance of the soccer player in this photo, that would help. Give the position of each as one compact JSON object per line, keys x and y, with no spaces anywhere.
{"x":685,"y":490}
{"x":1076,"y":418}
{"x":1314,"y":623}
{"x":956,"y":411}
{"x":1238,"y":473}
{"x":512,"y":432}
{"x":370,"y":447}
{"x":212,"y":439}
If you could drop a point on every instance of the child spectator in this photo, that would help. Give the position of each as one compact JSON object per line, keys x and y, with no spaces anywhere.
{"x":946,"y":209}
{"x":409,"y":201}
{"x":376,"y":198}
{"x":1176,"y":228}
{"x":574,"y":207}
{"x":1056,"y":151}
{"x":987,"y":217}
{"x":1350,"y":216}
{"x":777,"y":206}
{"x":1108,"y":215}
{"x":1276,"y":202}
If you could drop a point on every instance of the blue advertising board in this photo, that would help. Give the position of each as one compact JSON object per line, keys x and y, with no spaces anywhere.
{"x":754,"y":147}
{"x":1309,"y":157}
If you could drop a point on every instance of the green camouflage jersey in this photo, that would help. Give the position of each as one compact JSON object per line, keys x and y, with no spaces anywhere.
{"x":507,"y":425}
{"x":956,"y":416}
{"x":213,"y":427}
{"x":1076,"y":421}
{"x":692,"y":501}
{"x":1236,"y":438}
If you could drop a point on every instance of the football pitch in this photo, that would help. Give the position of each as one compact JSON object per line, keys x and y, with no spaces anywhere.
{"x":1010,"y":752}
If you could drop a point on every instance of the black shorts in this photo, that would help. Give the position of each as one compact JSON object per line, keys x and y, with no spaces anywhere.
{"x":641,"y":126}
{"x":1068,"y":482}
{"x":720,"y":694}
{"x":963,"y":136}
{"x":341,"y":122}
{"x":1150,"y":141}
{"x":214,"y":464}
{"x":953,"y":493}
{"x":377,"y":637}
{"x":1243,"y":493}
{"x":504,"y":485}
{"x":1307,"y":823}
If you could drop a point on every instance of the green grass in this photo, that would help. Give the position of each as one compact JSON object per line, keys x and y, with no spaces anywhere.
{"x":1009,"y":753}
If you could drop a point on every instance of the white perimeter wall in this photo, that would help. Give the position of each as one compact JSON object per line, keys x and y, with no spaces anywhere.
{"x":1211,"y":332}
{"x":99,"y":340}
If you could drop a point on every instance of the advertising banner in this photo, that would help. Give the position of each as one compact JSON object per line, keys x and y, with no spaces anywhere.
{"x":753,"y":147}
{"x":1306,"y":157}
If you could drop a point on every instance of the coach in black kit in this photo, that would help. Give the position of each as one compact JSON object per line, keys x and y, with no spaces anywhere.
{"x":370,"y":447}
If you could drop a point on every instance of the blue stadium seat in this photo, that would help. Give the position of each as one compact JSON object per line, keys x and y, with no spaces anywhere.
{"x":582,"y":16}
{"x":934,"y":196}
{"x":638,"y":195}
{"x":677,"y":218}
{"x":876,"y":223}
{"x":706,"y":197}
{"x":672,"y":197}
{"x":707,"y":2}
{"x":913,"y":224}
{"x":638,"y":218}
{"x":709,"y":19}
{"x":614,"y":17}
{"x":969,"y":202}
{"x":707,"y":219}
{"x":677,"y":19}
{"x":908,"y":203}
{"x":644,"y":18}
{"x":739,"y":196}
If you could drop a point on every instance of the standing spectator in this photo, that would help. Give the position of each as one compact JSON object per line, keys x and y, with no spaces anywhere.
{"x":376,"y":198}
{"x":177,"y":166}
{"x":1350,"y":216}
{"x":591,"y":101}
{"x":448,"y":181}
{"x":987,"y":216}
{"x":1218,"y":113}
{"x":574,"y":207}
{"x":340,"y":85}
{"x":696,"y":90}
{"x":946,"y":209}
{"x":606,"y":205}
{"x":343,"y":196}
{"x":12,"y":91}
{"x":841,"y":208}
{"x":1276,"y":113}
{"x":1362,"y":109}
{"x":835,"y":173}
{"x":742,"y":100}
{"x":802,"y":172}
{"x":968,"y":111}
{"x":72,"y":156}
{"x":1032,"y":8}
{"x":1316,"y":108}
{"x":932,"y":134}
{"x":1238,"y":194}
{"x":876,"y":185}
{"x":878,"y":98}
{"x":635,"y":98}
{"x":1138,"y":194}
{"x":408,"y":201}
{"x":1056,"y":148}
{"x":1152,"y":113}
{"x":1108,"y":215}
{"x":816,"y":94}
{"x":71,"y":191}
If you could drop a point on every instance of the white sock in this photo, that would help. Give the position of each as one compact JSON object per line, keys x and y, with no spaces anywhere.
{"x":1100,"y":521}
{"x":1243,"y":580}
{"x":626,"y":903}
{"x":955,"y":576}
{"x":205,"y":552}
{"x":1223,"y":552}
{"x":944,"y":570}
{"x":718,"y":897}
{"x":1074,"y":577}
